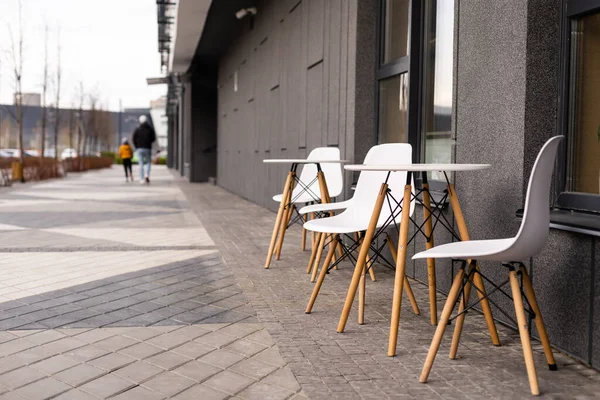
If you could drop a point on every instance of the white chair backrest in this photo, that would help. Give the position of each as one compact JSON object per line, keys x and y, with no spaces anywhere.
{"x":369,"y":182}
{"x":332,"y":172}
{"x":535,"y":226}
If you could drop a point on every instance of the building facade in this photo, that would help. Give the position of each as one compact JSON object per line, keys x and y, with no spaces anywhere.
{"x":462,"y":81}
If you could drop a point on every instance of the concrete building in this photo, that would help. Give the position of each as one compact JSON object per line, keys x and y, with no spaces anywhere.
{"x":29,"y":99}
{"x":158,"y":109}
{"x":462,"y":81}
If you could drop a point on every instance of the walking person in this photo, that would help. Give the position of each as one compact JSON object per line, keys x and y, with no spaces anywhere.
{"x":126,"y":154}
{"x":143,"y":137}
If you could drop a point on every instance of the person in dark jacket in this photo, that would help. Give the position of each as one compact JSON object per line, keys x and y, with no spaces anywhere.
{"x":143,"y":137}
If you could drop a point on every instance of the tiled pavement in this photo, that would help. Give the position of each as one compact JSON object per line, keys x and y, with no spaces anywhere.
{"x":116,"y":290}
{"x":120,"y":290}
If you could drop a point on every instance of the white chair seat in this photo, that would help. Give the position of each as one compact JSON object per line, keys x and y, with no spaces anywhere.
{"x":342,"y":205}
{"x":343,"y":223}
{"x":495,"y":250}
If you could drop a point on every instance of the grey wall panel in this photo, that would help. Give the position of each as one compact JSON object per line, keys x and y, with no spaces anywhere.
{"x":316,"y":24}
{"x":314,"y":106}
{"x":595,"y":327}
{"x":293,"y":107}
{"x":334,"y":44}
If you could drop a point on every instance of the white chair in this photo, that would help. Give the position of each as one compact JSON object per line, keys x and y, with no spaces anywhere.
{"x":307,"y":189}
{"x":357,"y":215}
{"x":529,"y":240}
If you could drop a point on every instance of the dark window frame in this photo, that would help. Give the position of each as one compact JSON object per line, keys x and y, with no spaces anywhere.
{"x":411,"y":65}
{"x":574,"y":201}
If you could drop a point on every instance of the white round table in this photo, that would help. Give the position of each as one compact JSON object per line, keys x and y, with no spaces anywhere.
{"x":403,"y":241}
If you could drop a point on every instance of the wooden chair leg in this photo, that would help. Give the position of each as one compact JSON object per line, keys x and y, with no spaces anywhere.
{"x":313,"y":253}
{"x":487,"y":310}
{"x":315,"y":267}
{"x":322,"y":275}
{"x":407,"y":287}
{"x":441,"y":326}
{"x":362,"y":256}
{"x":312,"y":234}
{"x":305,"y":218}
{"x":284,"y":224}
{"x":539,"y":322}
{"x":463,"y":303}
{"x":280,"y":211}
{"x":524,"y":333}
{"x":369,"y":263}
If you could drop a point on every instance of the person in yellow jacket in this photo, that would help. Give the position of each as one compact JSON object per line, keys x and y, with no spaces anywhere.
{"x":126,"y":154}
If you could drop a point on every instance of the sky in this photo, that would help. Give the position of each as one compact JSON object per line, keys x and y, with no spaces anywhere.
{"x":110,"y":45}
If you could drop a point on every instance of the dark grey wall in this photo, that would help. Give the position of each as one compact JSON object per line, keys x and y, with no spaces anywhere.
{"x":203,"y":140}
{"x":296,"y":91}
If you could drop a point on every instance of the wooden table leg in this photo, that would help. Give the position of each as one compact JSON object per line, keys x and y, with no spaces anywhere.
{"x":428,"y":245}
{"x":400,"y":267}
{"x":407,"y":287}
{"x":524,"y":333}
{"x":362,"y":257}
{"x":280,"y":212}
{"x":441,"y":326}
{"x":320,"y":243}
{"x":477,"y":280}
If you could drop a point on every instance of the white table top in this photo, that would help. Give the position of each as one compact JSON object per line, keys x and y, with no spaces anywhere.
{"x":418,"y":167}
{"x":302,"y":161}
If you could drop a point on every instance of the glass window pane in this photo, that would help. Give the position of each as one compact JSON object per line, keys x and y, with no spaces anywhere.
{"x":393,"y":108}
{"x":395,"y":29}
{"x":584,"y":138}
{"x":437,"y":93}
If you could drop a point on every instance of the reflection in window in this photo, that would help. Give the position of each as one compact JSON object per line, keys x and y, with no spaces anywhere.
{"x":583,"y":172}
{"x":395,"y":34}
{"x":437,"y":90}
{"x":393,"y":108}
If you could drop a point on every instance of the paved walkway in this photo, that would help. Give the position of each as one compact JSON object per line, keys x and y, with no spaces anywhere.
{"x":126,"y":291}
{"x":114,"y":289}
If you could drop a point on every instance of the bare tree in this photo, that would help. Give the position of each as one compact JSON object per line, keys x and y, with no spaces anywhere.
{"x":57,"y":95}
{"x":44,"y":93}
{"x":71,"y":122}
{"x":81,"y":97}
{"x":16,"y":51}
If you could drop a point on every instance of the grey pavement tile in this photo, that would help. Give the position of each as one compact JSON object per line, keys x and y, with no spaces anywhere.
{"x":115,"y":343}
{"x":197,"y":371}
{"x":55,"y":364}
{"x":253,"y":368}
{"x":216,"y":339}
{"x":270,"y":356}
{"x":283,"y":378}
{"x":228,"y":382}
{"x":139,"y":393}
{"x":201,"y":392}
{"x":141,"y":350}
{"x":176,"y":338}
{"x":95,"y":335}
{"x":43,"y":389}
{"x":168,"y":383}
{"x":222,"y":358}
{"x":107,"y":385}
{"x":45,"y":336}
{"x":79,"y":374}
{"x":86,"y":353}
{"x":75,"y":394}
{"x":139,"y":371}
{"x":167,"y":360}
{"x":141,"y":333}
{"x":262,"y":391}
{"x":20,"y":377}
{"x":245,"y":347}
{"x":112,"y":361}
{"x":193,"y":349}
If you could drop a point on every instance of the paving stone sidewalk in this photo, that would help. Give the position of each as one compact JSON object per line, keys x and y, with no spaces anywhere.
{"x":354,"y":365}
{"x":116,"y":290}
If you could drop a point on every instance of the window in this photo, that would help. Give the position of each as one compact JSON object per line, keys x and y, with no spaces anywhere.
{"x":395,"y":30}
{"x":393,"y":109}
{"x":438,"y":51}
{"x":583,"y":168}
